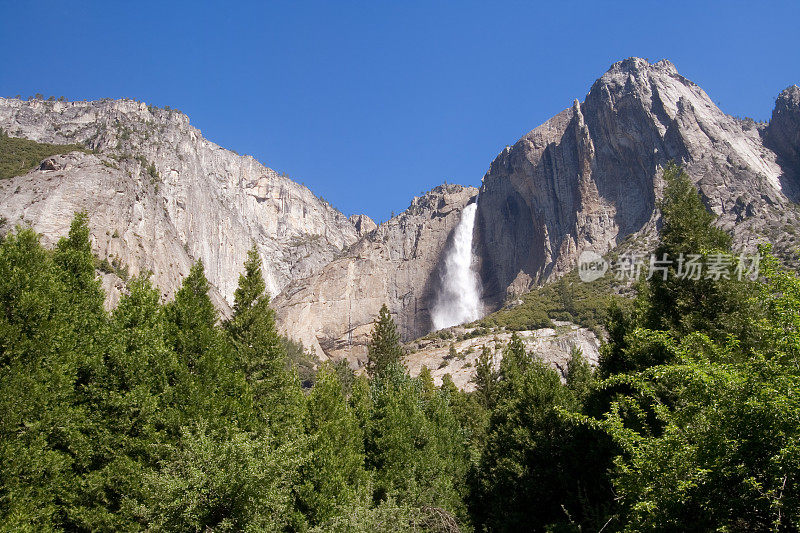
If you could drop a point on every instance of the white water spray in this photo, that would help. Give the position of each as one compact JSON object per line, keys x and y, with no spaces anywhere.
{"x":459,"y":298}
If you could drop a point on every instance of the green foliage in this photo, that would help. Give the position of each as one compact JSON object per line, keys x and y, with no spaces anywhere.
{"x":679,"y":305}
{"x":251,"y":283}
{"x":682,"y":304}
{"x":390,"y":517}
{"x":726,"y":452}
{"x":538,"y":468}
{"x":701,"y":390}
{"x":334,"y":477}
{"x":230,"y":481}
{"x":303,"y":362}
{"x":568,"y":299}
{"x":191,"y":317}
{"x":260,"y":352}
{"x":384,"y":346}
{"x":414,"y":445}
{"x":18,"y":156}
{"x":158,"y":417}
{"x":486,"y":378}
{"x":41,"y":424}
{"x":580,"y":377}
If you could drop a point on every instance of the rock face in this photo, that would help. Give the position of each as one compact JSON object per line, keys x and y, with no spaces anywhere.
{"x":783,"y":132}
{"x":590,"y":176}
{"x":160,"y":196}
{"x":551,"y":345}
{"x":398,"y":264}
{"x":363,"y":224}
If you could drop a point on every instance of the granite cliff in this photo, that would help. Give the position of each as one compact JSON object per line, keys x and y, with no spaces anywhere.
{"x":160,"y":197}
{"x":590,"y":176}
{"x":397,"y":263}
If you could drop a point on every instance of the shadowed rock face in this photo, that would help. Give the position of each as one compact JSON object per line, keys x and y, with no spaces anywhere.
{"x":590,"y":176}
{"x":782,"y":135}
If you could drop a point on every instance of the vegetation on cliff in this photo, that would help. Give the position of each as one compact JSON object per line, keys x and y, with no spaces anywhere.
{"x":18,"y":156}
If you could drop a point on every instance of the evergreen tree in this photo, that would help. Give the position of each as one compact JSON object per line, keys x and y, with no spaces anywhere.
{"x":414,"y":444}
{"x":76,"y":265}
{"x":334,"y":476}
{"x":191,"y":317}
{"x":210,"y":386}
{"x":486,"y":378}
{"x":222,"y":480}
{"x":426,"y":378}
{"x":73,"y":255}
{"x":538,"y":471}
{"x":132,"y":404}
{"x":515,"y":358}
{"x":452,"y":353}
{"x":580,"y":377}
{"x":680,"y":303}
{"x":260,"y":352}
{"x":384,"y":347}
{"x":251,"y":284}
{"x":41,"y":425}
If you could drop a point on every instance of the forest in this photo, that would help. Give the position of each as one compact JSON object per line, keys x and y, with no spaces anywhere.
{"x":166,"y":417}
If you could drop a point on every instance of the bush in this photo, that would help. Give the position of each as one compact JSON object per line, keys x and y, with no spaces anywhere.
{"x":568,"y":299}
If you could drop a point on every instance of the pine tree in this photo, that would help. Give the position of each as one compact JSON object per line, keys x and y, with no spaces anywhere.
{"x":451,"y":352}
{"x":251,"y":284}
{"x":132,"y":401}
{"x":534,"y":466}
{"x":384,"y":347}
{"x":191,"y":317}
{"x":76,"y":266}
{"x":211,"y":385}
{"x":485,"y":378}
{"x":335,"y":476}
{"x":414,"y":444}
{"x":260,"y":353}
{"x":685,"y":304}
{"x":38,"y":362}
{"x":73,"y":255}
{"x":515,"y":358}
{"x":579,"y":374}
{"x":674,"y":302}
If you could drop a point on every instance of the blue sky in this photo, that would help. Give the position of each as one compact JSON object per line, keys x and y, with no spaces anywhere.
{"x":370,"y":103}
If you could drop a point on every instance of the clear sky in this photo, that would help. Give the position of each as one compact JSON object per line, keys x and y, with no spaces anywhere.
{"x":370,"y":103}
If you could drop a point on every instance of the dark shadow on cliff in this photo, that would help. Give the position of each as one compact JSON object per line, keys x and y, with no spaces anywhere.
{"x":423,"y":320}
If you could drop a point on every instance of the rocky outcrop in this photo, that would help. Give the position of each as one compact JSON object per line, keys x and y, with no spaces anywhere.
{"x":396,"y":264}
{"x":590,"y":176}
{"x":783,"y":134}
{"x":553,"y":346}
{"x":363,"y":224}
{"x":160,"y":196}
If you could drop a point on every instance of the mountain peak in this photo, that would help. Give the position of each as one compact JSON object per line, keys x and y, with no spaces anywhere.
{"x":790,"y":97}
{"x":636,"y":65}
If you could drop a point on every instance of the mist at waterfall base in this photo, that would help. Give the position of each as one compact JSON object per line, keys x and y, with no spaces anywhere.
{"x":459,"y":298}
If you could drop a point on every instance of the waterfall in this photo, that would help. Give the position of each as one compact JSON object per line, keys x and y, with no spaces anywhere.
{"x":459,"y":298}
